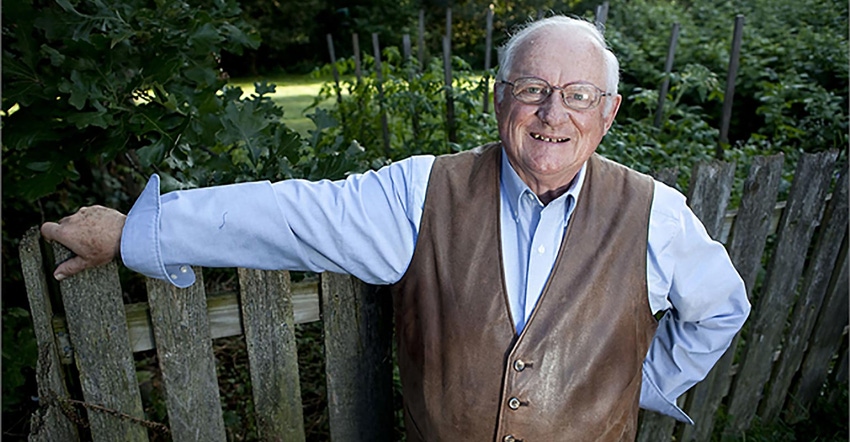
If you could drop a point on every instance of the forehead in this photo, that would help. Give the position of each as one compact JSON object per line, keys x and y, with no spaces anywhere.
{"x":560,"y":55}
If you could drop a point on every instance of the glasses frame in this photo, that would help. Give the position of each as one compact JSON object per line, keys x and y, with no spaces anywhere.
{"x":600,"y":92}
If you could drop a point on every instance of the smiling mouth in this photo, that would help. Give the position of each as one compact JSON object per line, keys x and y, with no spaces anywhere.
{"x":537,"y":136}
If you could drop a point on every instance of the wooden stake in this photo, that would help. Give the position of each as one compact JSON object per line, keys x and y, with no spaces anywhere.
{"x":385,"y":131}
{"x":668,"y":67}
{"x":730,"y":85}
{"x":355,"y":42}
{"x":450,"y":105}
{"x":488,"y":43}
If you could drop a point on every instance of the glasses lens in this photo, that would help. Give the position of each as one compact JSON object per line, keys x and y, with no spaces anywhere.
{"x":531,"y":90}
{"x":580,"y":96}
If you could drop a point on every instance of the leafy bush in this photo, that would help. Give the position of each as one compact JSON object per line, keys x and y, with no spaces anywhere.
{"x":99,"y":95}
{"x":414,"y":104}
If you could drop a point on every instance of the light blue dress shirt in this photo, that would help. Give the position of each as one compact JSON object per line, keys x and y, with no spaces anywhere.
{"x":367,"y":226}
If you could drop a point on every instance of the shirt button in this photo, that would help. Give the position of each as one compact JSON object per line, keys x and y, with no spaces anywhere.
{"x":513,"y":403}
{"x":184,"y":269}
{"x":519,"y":365}
{"x":510,"y":438}
{"x":541,"y":250}
{"x":173,"y":276}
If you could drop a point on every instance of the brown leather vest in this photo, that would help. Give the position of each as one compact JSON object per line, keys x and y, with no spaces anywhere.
{"x":574,"y":373}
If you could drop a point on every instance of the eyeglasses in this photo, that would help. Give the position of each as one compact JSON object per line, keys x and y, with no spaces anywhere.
{"x":578,"y":96}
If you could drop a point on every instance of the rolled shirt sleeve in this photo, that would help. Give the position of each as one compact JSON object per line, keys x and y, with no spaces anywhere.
{"x":691,"y":276}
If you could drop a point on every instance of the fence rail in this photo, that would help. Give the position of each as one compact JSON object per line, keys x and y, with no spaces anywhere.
{"x":87,"y":335}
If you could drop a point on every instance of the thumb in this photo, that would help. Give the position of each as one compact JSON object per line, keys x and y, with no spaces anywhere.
{"x":70,"y":267}
{"x":50,"y":231}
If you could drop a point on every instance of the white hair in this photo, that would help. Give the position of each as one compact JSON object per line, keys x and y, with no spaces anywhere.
{"x":507,"y":53}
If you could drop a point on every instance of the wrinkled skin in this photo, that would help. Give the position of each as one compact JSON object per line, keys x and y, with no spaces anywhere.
{"x":93,"y":234}
{"x":547,"y":143}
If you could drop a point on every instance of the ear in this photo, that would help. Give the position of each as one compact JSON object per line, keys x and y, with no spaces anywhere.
{"x":497,"y":94}
{"x":615,"y":106}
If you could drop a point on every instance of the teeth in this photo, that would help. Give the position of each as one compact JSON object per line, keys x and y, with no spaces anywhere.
{"x":549,"y":140}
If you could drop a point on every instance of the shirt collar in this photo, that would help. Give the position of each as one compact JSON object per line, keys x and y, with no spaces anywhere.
{"x":513,"y":187}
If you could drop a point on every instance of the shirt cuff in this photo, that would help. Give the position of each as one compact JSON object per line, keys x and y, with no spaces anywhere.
{"x":140,"y":246}
{"x":652,"y":399}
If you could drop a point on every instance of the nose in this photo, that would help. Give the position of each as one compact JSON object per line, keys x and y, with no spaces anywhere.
{"x":554,"y":112}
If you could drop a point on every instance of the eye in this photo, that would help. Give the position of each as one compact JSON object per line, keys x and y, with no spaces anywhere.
{"x":581,"y":96}
{"x":533,"y":89}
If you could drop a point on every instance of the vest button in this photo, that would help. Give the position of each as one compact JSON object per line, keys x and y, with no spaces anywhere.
{"x":510,"y":438}
{"x":513,"y":403}
{"x":519,"y":365}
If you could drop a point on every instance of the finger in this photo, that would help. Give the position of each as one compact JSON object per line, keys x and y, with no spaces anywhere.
{"x":50,"y":231}
{"x":70,"y":267}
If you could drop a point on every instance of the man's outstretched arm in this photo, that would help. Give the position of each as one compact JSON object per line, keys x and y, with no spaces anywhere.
{"x":93,"y":234}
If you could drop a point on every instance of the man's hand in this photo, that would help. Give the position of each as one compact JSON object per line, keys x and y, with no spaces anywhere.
{"x":93,"y":234}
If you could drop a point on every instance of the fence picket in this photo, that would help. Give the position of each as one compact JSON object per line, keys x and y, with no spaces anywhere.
{"x":827,"y":246}
{"x":269,"y":323}
{"x":184,"y":349}
{"x":802,"y":211}
{"x":709,"y":192}
{"x":825,"y":340}
{"x":746,"y":246}
{"x":49,"y":425}
{"x":94,"y":309}
{"x":655,"y":427}
{"x":358,"y":359}
{"x":711,"y":185}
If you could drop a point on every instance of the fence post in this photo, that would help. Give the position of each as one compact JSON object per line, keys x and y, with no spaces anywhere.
{"x":357,"y":322}
{"x":832,"y":229}
{"x":767,"y":322}
{"x":668,"y":67}
{"x":746,"y":246}
{"x":184,"y":350}
{"x":728,"y":98}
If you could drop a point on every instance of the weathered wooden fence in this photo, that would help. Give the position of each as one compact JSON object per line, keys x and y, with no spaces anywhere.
{"x":87,"y":335}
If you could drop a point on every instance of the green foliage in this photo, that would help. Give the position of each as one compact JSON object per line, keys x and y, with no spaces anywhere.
{"x":99,"y":95}
{"x":792,"y":78}
{"x":414,"y":103}
{"x":19,"y":354}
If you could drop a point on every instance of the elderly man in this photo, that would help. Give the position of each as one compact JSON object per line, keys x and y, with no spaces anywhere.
{"x":525,"y":273}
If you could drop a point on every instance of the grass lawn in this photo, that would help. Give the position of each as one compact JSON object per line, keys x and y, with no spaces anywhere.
{"x":294,"y":93}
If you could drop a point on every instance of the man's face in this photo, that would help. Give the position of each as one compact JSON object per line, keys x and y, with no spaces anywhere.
{"x":547,"y":143}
